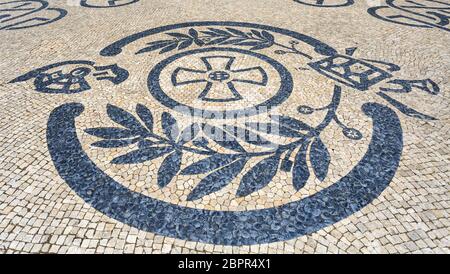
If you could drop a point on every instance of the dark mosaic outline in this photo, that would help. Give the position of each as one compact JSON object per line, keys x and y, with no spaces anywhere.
{"x":116,"y":47}
{"x":282,"y":94}
{"x":324,"y":4}
{"x":222,"y":168}
{"x":45,"y":6}
{"x":42,"y":83}
{"x":324,"y":66}
{"x":84,"y":3}
{"x":354,"y":191}
{"x":390,"y":4}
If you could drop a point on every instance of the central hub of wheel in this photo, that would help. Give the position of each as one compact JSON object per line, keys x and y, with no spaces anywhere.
{"x":219,"y":76}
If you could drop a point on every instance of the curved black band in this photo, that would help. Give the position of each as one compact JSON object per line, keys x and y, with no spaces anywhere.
{"x":351,"y":193}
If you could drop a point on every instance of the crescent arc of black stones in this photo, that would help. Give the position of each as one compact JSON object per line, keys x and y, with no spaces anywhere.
{"x":116,"y":47}
{"x":357,"y":189}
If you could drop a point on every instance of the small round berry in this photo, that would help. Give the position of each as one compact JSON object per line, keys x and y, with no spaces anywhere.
{"x":305,"y":109}
{"x":352,"y":133}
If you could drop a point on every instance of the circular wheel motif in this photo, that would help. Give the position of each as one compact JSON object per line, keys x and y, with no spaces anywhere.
{"x":225,"y":137}
{"x":216,"y":78}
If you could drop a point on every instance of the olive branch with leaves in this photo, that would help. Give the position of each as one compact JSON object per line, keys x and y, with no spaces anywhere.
{"x":254,"y":39}
{"x":221,"y":168}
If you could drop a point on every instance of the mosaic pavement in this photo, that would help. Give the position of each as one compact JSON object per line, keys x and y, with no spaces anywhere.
{"x":314,"y":126}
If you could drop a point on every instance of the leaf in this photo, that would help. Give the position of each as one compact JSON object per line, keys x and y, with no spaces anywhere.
{"x":178,"y":35}
{"x":261,"y":127}
{"x":217,"y":180}
{"x":232,"y":41}
{"x":237,"y":32}
{"x":269,"y":37}
{"x":286,"y":165}
{"x":153,"y":47}
{"x":110,"y":132}
{"x":248,"y":136}
{"x":114,"y":143}
{"x":287,"y":132}
{"x":217,"y":41}
{"x":209,"y":164}
{"x":199,"y":42}
{"x":145,"y":115}
{"x":222,"y":138}
{"x":124,"y":118}
{"x":261,"y":46}
{"x":169,"y":48}
{"x":201,"y":142}
{"x":188,"y":134}
{"x":145,"y":143}
{"x":248,"y":43}
{"x":290,"y":122}
{"x":300,"y":172}
{"x":219,"y":31}
{"x":142,"y":155}
{"x":169,"y":168}
{"x":169,"y":126}
{"x":320,"y":158}
{"x":185,"y":44}
{"x":257,"y":33}
{"x":193,"y":33}
{"x":259,"y":176}
{"x":211,"y":33}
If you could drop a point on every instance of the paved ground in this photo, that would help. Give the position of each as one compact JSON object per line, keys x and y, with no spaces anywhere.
{"x":273,"y":126}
